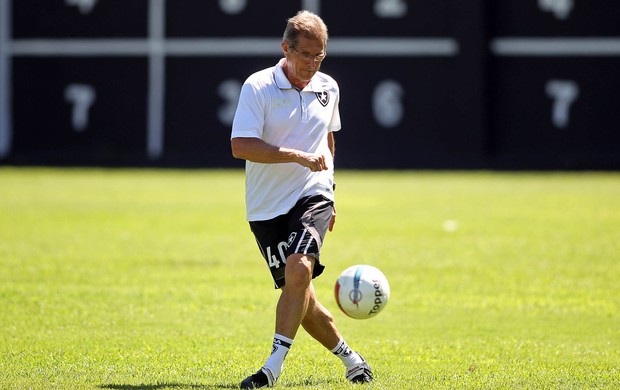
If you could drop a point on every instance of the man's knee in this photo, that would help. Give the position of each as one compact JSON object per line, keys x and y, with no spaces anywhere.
{"x":299,"y":269}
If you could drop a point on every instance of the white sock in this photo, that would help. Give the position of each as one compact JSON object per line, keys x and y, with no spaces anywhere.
{"x":281,"y":346}
{"x":348,"y":356}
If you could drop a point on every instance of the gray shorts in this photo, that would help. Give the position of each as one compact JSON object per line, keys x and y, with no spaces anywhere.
{"x":301,"y":230}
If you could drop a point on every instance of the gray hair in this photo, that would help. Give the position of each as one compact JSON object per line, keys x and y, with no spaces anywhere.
{"x":305,"y":23}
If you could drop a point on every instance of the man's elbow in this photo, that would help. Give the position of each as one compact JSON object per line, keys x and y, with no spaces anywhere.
{"x":236,"y":149}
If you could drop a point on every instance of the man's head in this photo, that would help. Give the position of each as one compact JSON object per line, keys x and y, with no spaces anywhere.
{"x":304,"y":45}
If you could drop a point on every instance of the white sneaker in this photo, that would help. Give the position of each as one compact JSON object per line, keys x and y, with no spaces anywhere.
{"x":360,"y":373}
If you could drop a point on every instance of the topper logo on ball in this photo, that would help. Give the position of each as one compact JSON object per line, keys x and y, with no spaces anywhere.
{"x":378,"y":298}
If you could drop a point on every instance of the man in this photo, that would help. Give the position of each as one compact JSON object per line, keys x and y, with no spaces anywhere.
{"x":283,"y":128}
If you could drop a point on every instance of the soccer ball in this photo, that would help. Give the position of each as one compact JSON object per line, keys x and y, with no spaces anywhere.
{"x":362,"y":291}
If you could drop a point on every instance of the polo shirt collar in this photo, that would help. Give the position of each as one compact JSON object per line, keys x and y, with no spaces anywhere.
{"x":283,"y":82}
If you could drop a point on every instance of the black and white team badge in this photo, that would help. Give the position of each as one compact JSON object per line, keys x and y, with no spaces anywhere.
{"x":323,"y":97}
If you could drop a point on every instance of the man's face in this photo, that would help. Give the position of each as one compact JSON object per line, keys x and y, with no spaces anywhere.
{"x":304,"y":59}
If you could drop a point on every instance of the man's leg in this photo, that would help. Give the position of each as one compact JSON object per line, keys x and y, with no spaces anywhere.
{"x":295,"y":296}
{"x":290,"y":311}
{"x":319,"y":322}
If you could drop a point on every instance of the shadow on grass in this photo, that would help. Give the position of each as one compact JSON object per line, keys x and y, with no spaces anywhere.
{"x":167,"y":386}
{"x":303,"y":383}
{"x":311,"y":382}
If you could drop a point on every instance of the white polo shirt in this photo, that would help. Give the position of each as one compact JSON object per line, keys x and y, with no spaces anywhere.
{"x":271,"y":109}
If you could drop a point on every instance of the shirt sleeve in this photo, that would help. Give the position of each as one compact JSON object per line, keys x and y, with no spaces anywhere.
{"x":249,"y":117}
{"x":334,"y":123}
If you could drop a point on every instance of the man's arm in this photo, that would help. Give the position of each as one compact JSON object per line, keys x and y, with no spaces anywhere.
{"x":259,"y":151}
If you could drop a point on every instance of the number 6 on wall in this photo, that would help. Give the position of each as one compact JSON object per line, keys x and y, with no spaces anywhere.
{"x":387,"y":104}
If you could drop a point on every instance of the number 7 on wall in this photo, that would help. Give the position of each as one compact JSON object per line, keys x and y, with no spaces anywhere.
{"x":564,"y":93}
{"x":81,"y":97}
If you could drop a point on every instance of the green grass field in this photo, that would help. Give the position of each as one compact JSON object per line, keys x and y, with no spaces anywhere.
{"x":150,"y":279}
